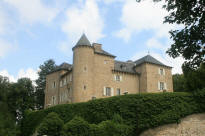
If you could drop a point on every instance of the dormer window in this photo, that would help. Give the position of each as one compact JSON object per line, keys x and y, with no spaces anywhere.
{"x":117,"y":78}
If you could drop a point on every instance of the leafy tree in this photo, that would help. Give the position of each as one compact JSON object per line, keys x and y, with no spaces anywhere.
{"x":46,"y":68}
{"x":51,"y":125}
{"x":189,"y":41}
{"x":21,"y":97}
{"x":115,"y":127}
{"x":194,"y":79}
{"x":178,"y":83}
{"x":76,"y":127}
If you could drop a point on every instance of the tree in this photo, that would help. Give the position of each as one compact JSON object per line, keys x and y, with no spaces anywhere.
{"x":194,"y":79}
{"x":76,"y":127}
{"x":51,"y":125}
{"x":21,"y":97}
{"x":46,"y":68}
{"x":178,"y":82}
{"x":189,"y":41}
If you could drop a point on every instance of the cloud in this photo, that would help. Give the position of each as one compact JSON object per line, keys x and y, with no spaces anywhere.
{"x":83,"y":17}
{"x":33,"y":11}
{"x":144,"y":15}
{"x":29,"y":73}
{"x":165,"y":59}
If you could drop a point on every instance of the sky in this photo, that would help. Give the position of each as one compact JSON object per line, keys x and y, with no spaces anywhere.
{"x":33,"y":31}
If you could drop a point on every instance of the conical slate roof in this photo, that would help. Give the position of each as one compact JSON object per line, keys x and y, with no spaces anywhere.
{"x":148,"y":59}
{"x":83,"y":41}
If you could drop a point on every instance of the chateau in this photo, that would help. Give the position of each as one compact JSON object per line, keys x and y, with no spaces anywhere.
{"x":96,"y":74}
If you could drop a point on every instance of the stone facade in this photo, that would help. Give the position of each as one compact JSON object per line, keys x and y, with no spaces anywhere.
{"x":96,"y":74}
{"x":193,"y":125}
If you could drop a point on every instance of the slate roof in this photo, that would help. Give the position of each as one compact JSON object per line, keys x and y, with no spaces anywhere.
{"x":63,"y":66}
{"x":128,"y":67}
{"x":102,"y":52}
{"x":83,"y":41}
{"x":149,"y":59}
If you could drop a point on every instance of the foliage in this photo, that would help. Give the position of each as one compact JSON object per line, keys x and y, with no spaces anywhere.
{"x":178,"y":83}
{"x":114,"y":127}
{"x":194,"y":79}
{"x":191,"y":80}
{"x":79,"y":127}
{"x":51,"y":125}
{"x":46,"y":68}
{"x":76,"y":127}
{"x":189,"y":41}
{"x":141,"y":111}
{"x":14,"y":99}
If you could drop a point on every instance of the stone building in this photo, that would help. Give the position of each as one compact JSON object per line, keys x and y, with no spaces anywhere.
{"x":96,"y":74}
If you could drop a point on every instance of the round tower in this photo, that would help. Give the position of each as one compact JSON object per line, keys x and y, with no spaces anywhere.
{"x":83,"y":66}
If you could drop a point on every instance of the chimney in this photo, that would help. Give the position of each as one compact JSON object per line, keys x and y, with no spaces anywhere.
{"x":97,"y":46}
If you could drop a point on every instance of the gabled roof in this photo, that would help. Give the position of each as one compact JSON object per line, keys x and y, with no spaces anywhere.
{"x":149,"y":59}
{"x":63,"y":66}
{"x":83,"y":41}
{"x":102,"y":52}
{"x":128,"y":67}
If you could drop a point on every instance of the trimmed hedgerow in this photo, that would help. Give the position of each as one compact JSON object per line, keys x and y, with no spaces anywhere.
{"x":141,"y":111}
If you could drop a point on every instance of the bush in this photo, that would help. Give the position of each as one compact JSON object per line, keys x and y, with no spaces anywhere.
{"x":76,"y":127}
{"x":141,"y":111}
{"x":114,"y":127}
{"x":51,"y":125}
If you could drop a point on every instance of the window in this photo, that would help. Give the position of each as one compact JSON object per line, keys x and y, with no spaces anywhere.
{"x":161,"y":71}
{"x":64,"y":81}
{"x":93,"y":98}
{"x":105,"y":61}
{"x":54,"y":85}
{"x":162,"y":86}
{"x":53,"y":100}
{"x":61,"y":83}
{"x":118,"y":78}
{"x":84,"y":87}
{"x":118,"y":91}
{"x":85,"y":69}
{"x":108,"y":91}
{"x":70,"y":77}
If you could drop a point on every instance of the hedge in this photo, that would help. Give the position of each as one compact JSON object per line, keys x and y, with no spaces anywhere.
{"x":141,"y":111}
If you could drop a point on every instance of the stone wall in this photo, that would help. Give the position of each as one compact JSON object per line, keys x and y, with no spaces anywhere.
{"x":193,"y":125}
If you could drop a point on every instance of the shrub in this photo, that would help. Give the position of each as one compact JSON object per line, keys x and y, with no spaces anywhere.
{"x":114,"y":127}
{"x":76,"y":127}
{"x":141,"y":111}
{"x":51,"y":125}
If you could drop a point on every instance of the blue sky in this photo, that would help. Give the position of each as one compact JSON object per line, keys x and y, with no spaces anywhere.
{"x":33,"y":31}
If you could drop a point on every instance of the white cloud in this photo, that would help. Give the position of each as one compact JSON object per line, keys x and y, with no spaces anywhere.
{"x":32,"y":11}
{"x":111,"y":1}
{"x":29,"y":73}
{"x":154,"y":43}
{"x":144,"y":15}
{"x":165,"y":59}
{"x":83,"y":17}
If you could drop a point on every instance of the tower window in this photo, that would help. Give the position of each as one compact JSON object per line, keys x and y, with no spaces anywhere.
{"x":85,"y":69}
